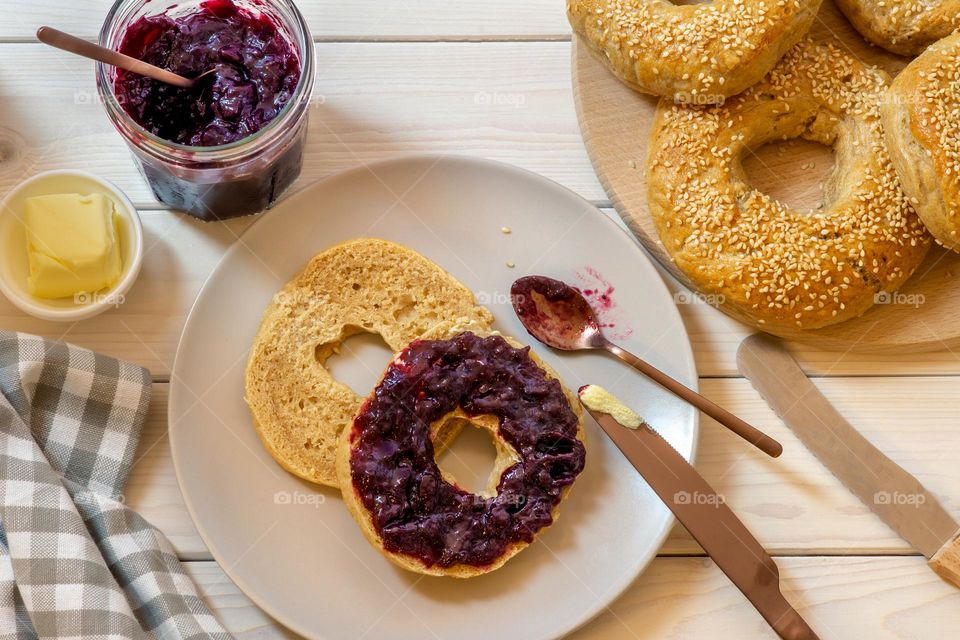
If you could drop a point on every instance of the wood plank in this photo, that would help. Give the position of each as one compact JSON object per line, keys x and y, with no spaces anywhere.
{"x":380,"y":100}
{"x":841,"y":598}
{"x":182,"y":253}
{"x":882,"y":598}
{"x":793,"y":505}
{"x":330,"y":19}
{"x":179,"y":255}
{"x":716,"y":336}
{"x":373,"y":101}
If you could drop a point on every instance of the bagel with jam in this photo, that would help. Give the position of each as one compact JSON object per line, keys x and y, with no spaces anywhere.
{"x":921,"y":120}
{"x":409,"y":508}
{"x":772,"y":265}
{"x":696,"y":54}
{"x":905,"y":27}
{"x":365,"y":285}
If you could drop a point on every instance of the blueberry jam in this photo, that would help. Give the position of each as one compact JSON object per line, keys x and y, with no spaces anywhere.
{"x":414,"y":510}
{"x":552,"y":311}
{"x":256,"y":71}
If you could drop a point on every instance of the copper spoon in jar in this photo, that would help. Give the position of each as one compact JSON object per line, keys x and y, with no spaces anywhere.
{"x":80,"y":47}
{"x":557,"y":315}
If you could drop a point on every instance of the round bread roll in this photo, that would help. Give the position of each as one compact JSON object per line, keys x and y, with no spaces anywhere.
{"x":921,"y":120}
{"x":363,"y":285}
{"x":767,"y":263}
{"x":903,"y":27}
{"x":694,"y":54}
{"x":409,"y":508}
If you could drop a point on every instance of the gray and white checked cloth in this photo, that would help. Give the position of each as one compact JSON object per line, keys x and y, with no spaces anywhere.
{"x":74,"y":561}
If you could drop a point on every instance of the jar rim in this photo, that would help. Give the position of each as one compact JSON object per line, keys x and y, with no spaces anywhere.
{"x":129,"y":127}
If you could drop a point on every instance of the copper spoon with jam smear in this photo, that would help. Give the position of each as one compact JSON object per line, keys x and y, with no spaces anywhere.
{"x":80,"y":47}
{"x":557,"y":315}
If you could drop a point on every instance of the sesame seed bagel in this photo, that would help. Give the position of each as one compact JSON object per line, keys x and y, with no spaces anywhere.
{"x":921,"y":120}
{"x":697,"y":54}
{"x":769,"y":264}
{"x":903,"y":27}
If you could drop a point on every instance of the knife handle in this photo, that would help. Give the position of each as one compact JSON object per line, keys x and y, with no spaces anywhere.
{"x":946,"y":561}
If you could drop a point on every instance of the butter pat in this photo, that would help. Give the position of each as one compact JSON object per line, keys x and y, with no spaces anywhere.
{"x":72,"y":244}
{"x":602,"y":401}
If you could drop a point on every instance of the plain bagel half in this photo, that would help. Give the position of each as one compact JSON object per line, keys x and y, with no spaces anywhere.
{"x":363,"y":285}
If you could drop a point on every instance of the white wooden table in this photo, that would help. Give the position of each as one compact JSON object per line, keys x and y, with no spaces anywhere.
{"x":492,"y":79}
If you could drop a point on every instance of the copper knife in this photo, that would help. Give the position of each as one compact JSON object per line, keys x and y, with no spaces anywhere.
{"x":880,"y":483}
{"x":710,"y":521}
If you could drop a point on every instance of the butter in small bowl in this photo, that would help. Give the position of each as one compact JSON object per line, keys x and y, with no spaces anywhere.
{"x":71,"y":246}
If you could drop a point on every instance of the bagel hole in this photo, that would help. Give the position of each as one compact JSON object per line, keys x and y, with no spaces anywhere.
{"x":470,"y":458}
{"x":793,"y":172}
{"x":357,"y":361}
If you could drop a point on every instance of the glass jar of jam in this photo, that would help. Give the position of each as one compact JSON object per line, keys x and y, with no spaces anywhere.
{"x":230,"y":145}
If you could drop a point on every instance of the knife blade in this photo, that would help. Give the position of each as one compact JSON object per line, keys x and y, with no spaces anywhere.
{"x":881,"y":484}
{"x":710,"y":521}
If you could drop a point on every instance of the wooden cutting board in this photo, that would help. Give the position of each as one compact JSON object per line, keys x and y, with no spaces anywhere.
{"x":615,"y":121}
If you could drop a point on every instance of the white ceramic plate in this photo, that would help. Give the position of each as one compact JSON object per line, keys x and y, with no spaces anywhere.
{"x":291,"y":546}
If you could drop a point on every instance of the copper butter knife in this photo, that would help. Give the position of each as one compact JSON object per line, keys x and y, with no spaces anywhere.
{"x":880,"y":483}
{"x":710,"y":521}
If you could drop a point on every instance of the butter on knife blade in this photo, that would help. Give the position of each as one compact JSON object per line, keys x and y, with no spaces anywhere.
{"x":862,"y":468}
{"x":596,"y":398}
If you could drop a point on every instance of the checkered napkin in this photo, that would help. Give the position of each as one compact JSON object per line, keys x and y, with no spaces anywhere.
{"x":74,"y":561}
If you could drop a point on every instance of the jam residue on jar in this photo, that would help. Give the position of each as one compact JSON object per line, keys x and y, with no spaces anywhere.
{"x":256,"y":71}
{"x":414,"y":510}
